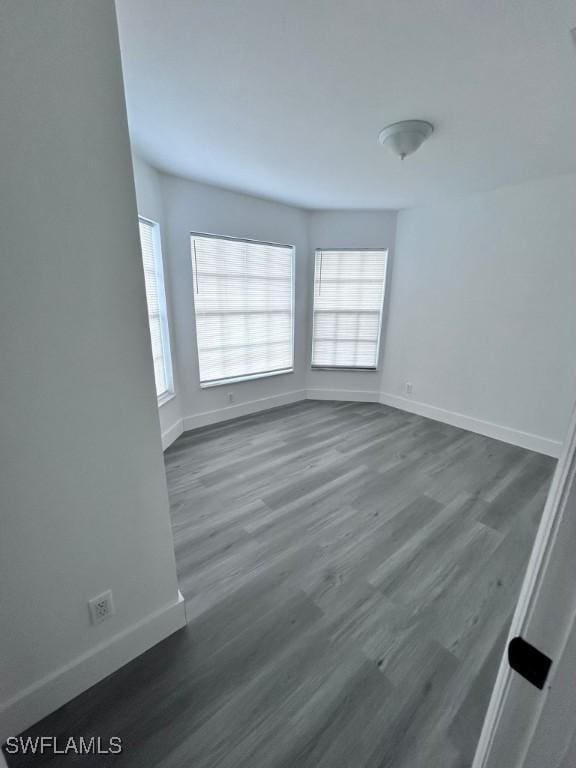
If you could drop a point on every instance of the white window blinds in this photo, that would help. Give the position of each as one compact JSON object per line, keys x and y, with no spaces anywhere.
{"x":243,"y":300}
{"x":156,"y":298}
{"x":348,"y":300}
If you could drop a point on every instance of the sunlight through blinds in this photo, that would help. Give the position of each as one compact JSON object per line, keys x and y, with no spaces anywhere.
{"x":348,"y":300}
{"x":243,"y":301}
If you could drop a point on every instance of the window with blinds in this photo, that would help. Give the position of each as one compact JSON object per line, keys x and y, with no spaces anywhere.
{"x":349,"y":290}
{"x":156,"y":299}
{"x":243,"y":300}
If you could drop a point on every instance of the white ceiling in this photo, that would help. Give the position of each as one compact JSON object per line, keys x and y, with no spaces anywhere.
{"x":285,"y":98}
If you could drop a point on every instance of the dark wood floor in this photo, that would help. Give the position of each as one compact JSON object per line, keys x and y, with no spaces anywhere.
{"x":350,"y":572}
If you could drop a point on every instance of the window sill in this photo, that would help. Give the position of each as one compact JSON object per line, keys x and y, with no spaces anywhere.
{"x":342,"y":368}
{"x":239,"y":379}
{"x":165,"y":398}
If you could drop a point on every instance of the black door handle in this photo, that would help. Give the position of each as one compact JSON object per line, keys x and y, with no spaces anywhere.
{"x":528,"y":661}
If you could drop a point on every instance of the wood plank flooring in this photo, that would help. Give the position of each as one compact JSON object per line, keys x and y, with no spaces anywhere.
{"x":350,"y":572}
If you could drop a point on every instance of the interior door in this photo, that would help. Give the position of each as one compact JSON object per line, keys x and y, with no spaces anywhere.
{"x":527,"y":727}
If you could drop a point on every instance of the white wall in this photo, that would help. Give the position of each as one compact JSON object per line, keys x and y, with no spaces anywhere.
{"x":482,"y":315}
{"x":84,"y":503}
{"x":190,"y":206}
{"x":151,"y":206}
{"x":349,"y":229}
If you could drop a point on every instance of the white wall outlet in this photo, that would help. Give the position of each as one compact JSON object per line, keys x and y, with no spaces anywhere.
{"x":230,"y":397}
{"x":408,"y":387}
{"x":101,"y":607}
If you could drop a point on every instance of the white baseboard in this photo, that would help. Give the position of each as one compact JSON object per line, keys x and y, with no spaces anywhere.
{"x":351,"y":395}
{"x":508,"y":435}
{"x":517,"y":437}
{"x":171,"y":434}
{"x":241,"y":409}
{"x":58,"y":688}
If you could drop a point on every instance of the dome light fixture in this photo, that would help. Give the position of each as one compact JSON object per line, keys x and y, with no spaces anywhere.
{"x":405,"y":137}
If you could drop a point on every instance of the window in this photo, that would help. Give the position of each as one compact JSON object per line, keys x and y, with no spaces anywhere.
{"x":156,"y":298}
{"x":348,"y":300}
{"x":243,"y":300}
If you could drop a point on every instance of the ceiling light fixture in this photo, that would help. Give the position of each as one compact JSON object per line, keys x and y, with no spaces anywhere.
{"x":405,"y":137}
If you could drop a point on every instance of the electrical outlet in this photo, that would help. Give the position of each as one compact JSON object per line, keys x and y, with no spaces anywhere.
{"x":101,"y":607}
{"x":230,"y":397}
{"x":408,"y":387}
